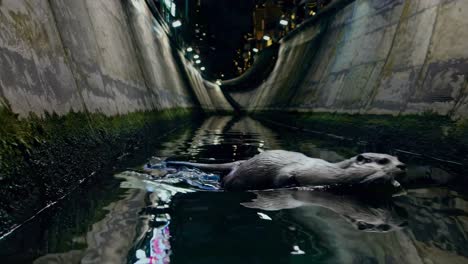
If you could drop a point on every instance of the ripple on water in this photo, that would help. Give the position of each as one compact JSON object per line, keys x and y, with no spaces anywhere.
{"x":162,"y":215}
{"x":283,"y":226}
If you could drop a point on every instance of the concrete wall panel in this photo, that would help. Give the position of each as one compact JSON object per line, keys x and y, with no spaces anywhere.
{"x":374,"y":56}
{"x":107,"y":56}
{"x":34,"y":72}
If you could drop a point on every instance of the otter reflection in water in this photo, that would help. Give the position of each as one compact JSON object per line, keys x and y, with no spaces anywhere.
{"x":380,"y":216}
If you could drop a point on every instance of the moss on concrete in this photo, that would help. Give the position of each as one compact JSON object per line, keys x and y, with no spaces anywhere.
{"x":41,"y":159}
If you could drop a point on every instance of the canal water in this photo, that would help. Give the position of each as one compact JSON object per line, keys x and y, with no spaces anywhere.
{"x":154,"y":214}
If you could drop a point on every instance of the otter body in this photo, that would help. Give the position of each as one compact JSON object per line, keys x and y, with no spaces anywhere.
{"x":279,"y":168}
{"x":275,"y":169}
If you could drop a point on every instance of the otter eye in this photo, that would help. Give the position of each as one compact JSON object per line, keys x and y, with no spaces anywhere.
{"x":383,"y":161}
{"x":360,"y":158}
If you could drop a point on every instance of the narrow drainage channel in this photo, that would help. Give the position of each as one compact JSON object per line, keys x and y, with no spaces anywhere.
{"x":152,"y":214}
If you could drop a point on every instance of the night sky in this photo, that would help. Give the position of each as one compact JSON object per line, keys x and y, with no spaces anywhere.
{"x":228,"y":21}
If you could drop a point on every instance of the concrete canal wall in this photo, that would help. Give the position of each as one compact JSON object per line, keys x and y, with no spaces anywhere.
{"x":372,"y":57}
{"x":85,"y":85}
{"x":110,"y":57}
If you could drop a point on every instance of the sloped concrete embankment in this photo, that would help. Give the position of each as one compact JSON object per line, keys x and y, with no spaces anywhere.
{"x":83,"y":84}
{"x":210,"y":96}
{"x":111,"y":57}
{"x":373,"y":57}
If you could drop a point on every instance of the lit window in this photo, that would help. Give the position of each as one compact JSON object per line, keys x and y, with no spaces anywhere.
{"x":173,"y":10}
{"x":176,"y":24}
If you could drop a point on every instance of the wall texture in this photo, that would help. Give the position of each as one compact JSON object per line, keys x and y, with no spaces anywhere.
{"x":373,"y":56}
{"x":209,"y":95}
{"x":110,"y":56}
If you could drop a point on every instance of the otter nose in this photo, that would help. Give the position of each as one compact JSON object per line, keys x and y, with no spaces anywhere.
{"x":401,"y":167}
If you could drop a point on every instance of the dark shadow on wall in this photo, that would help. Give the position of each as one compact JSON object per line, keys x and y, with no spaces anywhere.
{"x":258,"y":73}
{"x":253,"y":77}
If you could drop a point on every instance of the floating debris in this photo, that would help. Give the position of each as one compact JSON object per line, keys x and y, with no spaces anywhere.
{"x":264,"y":216}
{"x":297,"y":251}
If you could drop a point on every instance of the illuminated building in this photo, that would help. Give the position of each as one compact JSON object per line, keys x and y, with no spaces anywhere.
{"x":266,"y":18}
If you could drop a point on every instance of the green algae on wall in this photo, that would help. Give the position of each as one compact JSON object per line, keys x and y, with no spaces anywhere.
{"x":41,"y":159}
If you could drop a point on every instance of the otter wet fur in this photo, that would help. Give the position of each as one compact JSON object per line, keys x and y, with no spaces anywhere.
{"x":279,"y":168}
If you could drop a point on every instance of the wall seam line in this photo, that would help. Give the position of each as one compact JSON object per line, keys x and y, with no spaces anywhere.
{"x":387,"y":58}
{"x":70,"y":62}
{"x":421,"y":79}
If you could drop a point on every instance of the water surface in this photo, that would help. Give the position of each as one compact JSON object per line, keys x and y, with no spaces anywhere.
{"x":183,"y":217}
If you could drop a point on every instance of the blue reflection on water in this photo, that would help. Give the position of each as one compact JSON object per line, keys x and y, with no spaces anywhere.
{"x":155,"y":246}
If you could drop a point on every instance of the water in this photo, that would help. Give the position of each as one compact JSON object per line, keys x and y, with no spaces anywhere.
{"x":183,"y":217}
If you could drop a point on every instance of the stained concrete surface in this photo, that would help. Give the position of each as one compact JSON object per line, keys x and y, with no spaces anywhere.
{"x":373,"y":57}
{"x":111,"y":57}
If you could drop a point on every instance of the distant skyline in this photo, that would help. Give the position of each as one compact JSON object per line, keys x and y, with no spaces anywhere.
{"x":228,"y":21}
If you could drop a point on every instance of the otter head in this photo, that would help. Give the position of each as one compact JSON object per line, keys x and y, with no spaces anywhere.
{"x":375,"y":167}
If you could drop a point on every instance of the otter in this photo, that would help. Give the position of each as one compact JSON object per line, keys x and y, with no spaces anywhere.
{"x":279,"y":168}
